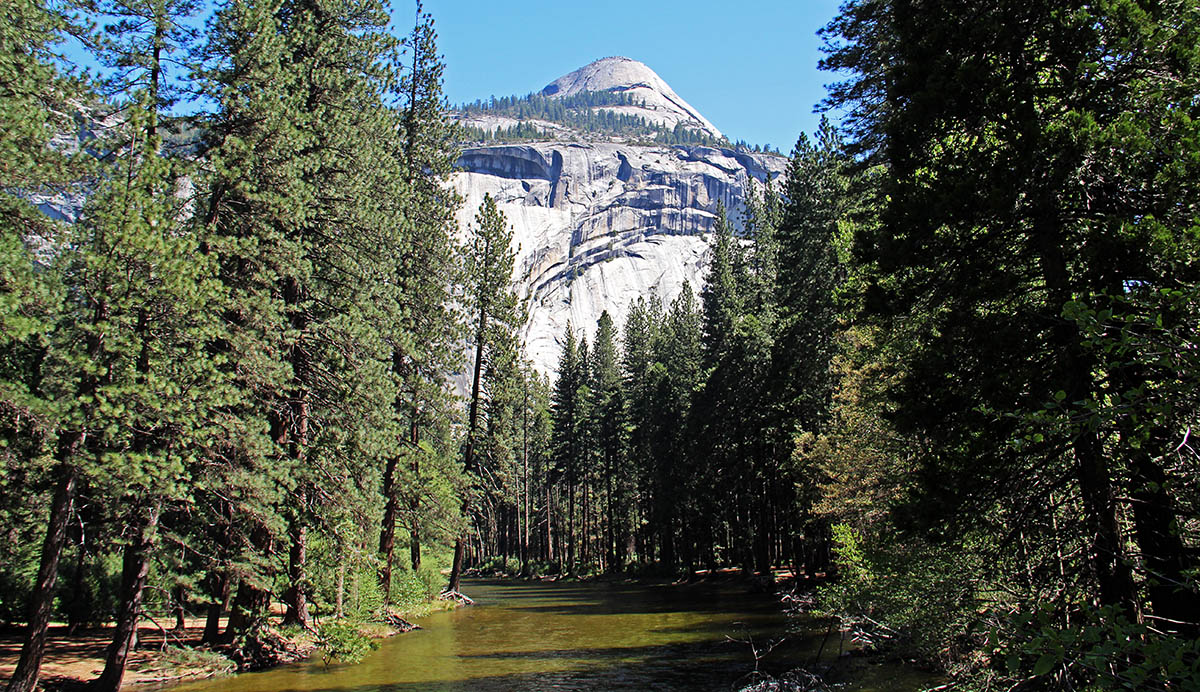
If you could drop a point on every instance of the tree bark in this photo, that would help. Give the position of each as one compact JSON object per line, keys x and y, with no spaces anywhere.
{"x":387,"y":532}
{"x":1163,"y":552}
{"x":249,"y":610}
{"x":179,"y":595}
{"x":25,"y":677}
{"x":296,"y":597}
{"x":135,"y":568}
{"x":414,"y":528}
{"x":469,"y":452}
{"x":1113,"y":576}
{"x":549,"y":525}
{"x":220,"y":591}
{"x":77,"y":611}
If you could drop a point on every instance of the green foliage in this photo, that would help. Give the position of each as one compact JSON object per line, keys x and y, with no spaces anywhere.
{"x":247,"y":320}
{"x":414,"y":588}
{"x":911,"y":597}
{"x":1098,"y":644}
{"x":343,"y":640}
{"x":178,"y":660}
{"x":587,"y":111}
{"x":1033,"y":382}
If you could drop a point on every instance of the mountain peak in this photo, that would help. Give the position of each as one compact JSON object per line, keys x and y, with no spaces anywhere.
{"x":619,"y":74}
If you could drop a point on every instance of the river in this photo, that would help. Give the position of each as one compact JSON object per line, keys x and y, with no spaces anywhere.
{"x":540,"y":636}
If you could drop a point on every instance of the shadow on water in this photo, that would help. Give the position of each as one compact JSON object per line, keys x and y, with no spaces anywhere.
{"x":539,"y":637}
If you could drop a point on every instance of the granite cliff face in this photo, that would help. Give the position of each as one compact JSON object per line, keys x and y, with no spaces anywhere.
{"x":599,"y":221}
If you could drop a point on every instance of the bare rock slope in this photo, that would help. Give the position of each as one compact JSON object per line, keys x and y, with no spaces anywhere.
{"x":599,"y":223}
{"x":658,"y":101}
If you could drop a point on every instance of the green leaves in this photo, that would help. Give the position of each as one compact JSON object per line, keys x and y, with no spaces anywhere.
{"x":1044,"y":664}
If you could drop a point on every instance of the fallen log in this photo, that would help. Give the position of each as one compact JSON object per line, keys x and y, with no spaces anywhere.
{"x":399,"y":624}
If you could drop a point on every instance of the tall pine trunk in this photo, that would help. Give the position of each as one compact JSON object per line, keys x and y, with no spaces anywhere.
{"x":70,"y":445}
{"x":25,"y":677}
{"x":468,"y":455}
{"x":387,"y":529}
{"x":414,"y":507}
{"x":220,"y":592}
{"x":295,"y":597}
{"x":134,"y":570}
{"x":1163,"y":552}
{"x":296,"y":432}
{"x":1092,"y":472}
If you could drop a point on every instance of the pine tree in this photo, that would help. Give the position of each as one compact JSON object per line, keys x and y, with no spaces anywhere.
{"x":678,"y":374}
{"x":608,"y":437}
{"x":1022,"y":202}
{"x":252,"y":149}
{"x":492,"y":309}
{"x":812,"y":240}
{"x":810,"y":275}
{"x":565,"y":442}
{"x":641,"y":331}
{"x":719,"y":417}
{"x":426,"y":269}
{"x":34,"y":95}
{"x":307,"y":208}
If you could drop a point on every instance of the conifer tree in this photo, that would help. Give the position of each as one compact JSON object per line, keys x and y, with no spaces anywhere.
{"x":1021,"y":203}
{"x":812,"y":251}
{"x":427,"y":268}
{"x":565,"y":440}
{"x":719,"y":417}
{"x":492,"y":310}
{"x":639,"y":335}
{"x":34,"y":98}
{"x":252,"y":150}
{"x":608,"y":437}
{"x":809,"y":276}
{"x":678,"y":374}
{"x":306,"y":204}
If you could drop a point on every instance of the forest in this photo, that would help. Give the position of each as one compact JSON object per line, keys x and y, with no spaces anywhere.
{"x":944,"y":373}
{"x":587,"y":111}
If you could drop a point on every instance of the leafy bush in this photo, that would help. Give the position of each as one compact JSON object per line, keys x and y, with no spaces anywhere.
{"x":1100,"y":647}
{"x":541,"y":568}
{"x":187,"y":661}
{"x":363,"y":597}
{"x":501,"y":566}
{"x":343,"y":640}
{"x":412,"y":588}
{"x":912,"y":597}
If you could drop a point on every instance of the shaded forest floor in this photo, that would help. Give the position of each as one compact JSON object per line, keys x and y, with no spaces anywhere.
{"x":72,"y":661}
{"x":166,"y":657}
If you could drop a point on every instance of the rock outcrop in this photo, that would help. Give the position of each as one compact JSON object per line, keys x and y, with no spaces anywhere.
{"x":658,"y":102}
{"x":598,"y":224}
{"x":601,"y":220}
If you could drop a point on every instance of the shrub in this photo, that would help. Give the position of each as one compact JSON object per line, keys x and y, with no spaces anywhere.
{"x":344,"y":641}
{"x":913,"y":597}
{"x":413,"y":588}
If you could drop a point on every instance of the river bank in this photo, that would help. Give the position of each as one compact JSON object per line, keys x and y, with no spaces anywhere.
{"x":170,"y":656}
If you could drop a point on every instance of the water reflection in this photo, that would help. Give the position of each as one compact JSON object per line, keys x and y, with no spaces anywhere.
{"x":564,"y":636}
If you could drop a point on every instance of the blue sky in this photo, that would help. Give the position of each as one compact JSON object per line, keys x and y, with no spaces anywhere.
{"x":750,"y":67}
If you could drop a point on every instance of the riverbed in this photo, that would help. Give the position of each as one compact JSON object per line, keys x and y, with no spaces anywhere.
{"x":540,"y":636}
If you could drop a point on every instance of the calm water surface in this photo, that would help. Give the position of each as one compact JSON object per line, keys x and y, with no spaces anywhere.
{"x":567,"y":636}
